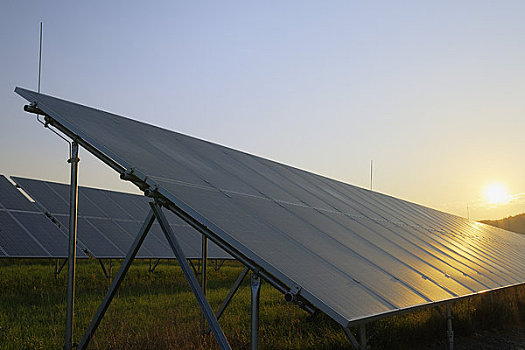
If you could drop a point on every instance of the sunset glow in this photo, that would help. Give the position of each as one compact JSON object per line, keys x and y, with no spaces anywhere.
{"x":497,"y":193}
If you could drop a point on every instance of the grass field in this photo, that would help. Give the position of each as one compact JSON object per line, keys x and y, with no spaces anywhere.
{"x":157,"y":311}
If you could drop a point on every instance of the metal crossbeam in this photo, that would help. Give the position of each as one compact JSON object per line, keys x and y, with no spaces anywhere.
{"x":118,"y":280}
{"x":192,"y":280}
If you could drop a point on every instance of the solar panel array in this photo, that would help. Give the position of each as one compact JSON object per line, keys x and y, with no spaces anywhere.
{"x":353,"y":253}
{"x":109,"y":221}
{"x":26,"y":232}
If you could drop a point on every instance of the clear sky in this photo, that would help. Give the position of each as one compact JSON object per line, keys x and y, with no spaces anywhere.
{"x":432,"y":91}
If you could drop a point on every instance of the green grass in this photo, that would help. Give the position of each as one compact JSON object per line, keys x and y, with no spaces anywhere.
{"x":158,"y":311}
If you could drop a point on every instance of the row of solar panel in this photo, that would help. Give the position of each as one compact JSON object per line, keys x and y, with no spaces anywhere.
{"x":351,"y":252}
{"x":108,"y":221}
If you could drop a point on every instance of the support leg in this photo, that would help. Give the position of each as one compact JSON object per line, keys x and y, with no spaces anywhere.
{"x":56,"y":268}
{"x":152,"y":269}
{"x":103,"y":268}
{"x":117,"y":281}
{"x":192,"y":280}
{"x":450,"y":332}
{"x":204,"y":265}
{"x":362,"y":337}
{"x":60,"y":267}
{"x":72,"y":247}
{"x":256,"y":288}
{"x":194,"y":268}
{"x":351,"y":338}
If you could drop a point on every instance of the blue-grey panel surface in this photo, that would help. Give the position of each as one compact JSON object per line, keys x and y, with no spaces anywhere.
{"x":11,"y":198}
{"x":111,"y":220}
{"x":353,"y":253}
{"x":26,"y":232}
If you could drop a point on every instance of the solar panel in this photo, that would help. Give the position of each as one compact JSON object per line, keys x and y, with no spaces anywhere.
{"x":353,"y":253}
{"x":25,"y":232}
{"x":109,"y":221}
{"x":11,"y":198}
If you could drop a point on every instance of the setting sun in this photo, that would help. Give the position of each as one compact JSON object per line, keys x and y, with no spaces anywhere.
{"x":497,"y":193}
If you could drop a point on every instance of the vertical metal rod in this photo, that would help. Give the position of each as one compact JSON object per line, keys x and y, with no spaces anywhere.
{"x":72,"y":249}
{"x":56,"y":268}
{"x":204,"y":265}
{"x":362,"y":337}
{"x":192,"y":280}
{"x":450,"y":332}
{"x":117,"y":281}
{"x":40,"y":58}
{"x":110,"y":269}
{"x":256,"y":288}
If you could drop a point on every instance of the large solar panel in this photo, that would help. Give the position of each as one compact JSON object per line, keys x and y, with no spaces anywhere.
{"x":108,"y":221}
{"x":353,"y":253}
{"x":25,"y":232}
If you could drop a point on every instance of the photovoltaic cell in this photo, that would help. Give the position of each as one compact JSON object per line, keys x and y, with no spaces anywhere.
{"x":353,"y":253}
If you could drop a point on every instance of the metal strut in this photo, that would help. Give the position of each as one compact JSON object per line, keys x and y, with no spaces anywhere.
{"x":255,"y":283}
{"x":117,"y":280}
{"x":204,"y":281}
{"x":72,"y":247}
{"x":59,"y":267}
{"x":192,"y":280}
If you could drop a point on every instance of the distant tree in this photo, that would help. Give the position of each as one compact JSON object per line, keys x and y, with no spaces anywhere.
{"x":514,"y":223}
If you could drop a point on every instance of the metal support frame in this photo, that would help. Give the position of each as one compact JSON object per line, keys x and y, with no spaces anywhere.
{"x":117,"y":280}
{"x":362,"y":343}
{"x":450,"y":332}
{"x":59,"y":267}
{"x":152,"y":269}
{"x":255,"y":283}
{"x":192,"y":280}
{"x":219,"y":265}
{"x":72,"y":247}
{"x":204,"y":282}
{"x":195,"y":269}
{"x":362,"y":337}
{"x":107,"y":272}
{"x":231,"y":293}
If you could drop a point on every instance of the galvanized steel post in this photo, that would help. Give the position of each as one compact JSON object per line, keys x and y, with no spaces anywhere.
{"x":256,"y":288}
{"x":362,"y":337}
{"x":72,"y":252}
{"x":204,"y":265}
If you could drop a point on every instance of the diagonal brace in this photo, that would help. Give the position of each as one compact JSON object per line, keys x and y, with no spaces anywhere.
{"x":118,"y":280}
{"x":190,"y":277}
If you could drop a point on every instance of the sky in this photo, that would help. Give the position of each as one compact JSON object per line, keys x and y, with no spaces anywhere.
{"x":431,"y":91}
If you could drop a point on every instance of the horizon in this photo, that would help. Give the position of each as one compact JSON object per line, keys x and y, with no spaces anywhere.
{"x":430,"y":92}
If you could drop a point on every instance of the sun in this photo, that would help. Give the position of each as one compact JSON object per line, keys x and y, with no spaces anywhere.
{"x":497,"y":193}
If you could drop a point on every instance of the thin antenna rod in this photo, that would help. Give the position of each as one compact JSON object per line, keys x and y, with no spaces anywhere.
{"x":468,"y":213}
{"x":40,"y":58}
{"x":371,"y":174}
